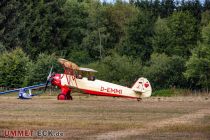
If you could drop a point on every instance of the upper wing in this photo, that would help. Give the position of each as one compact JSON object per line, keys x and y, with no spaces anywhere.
{"x":68,"y":64}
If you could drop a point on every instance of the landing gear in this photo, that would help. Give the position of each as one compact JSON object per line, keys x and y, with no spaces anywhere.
{"x":62,"y":96}
{"x":65,"y":94}
{"x":68,"y":96}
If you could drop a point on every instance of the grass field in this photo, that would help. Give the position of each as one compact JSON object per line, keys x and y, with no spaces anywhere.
{"x":93,"y":117}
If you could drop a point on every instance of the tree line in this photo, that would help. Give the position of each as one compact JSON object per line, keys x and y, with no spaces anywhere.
{"x":166,"y":41}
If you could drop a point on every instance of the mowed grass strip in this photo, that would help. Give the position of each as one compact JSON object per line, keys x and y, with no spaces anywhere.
{"x":91,"y":116}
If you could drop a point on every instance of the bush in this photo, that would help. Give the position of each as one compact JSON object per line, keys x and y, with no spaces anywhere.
{"x":39,"y":70}
{"x":14,"y":66}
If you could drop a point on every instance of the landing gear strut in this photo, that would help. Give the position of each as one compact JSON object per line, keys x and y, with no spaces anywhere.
{"x":63,"y":96}
{"x":68,"y":96}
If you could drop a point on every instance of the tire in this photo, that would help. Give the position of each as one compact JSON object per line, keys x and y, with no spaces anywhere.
{"x":61,"y":97}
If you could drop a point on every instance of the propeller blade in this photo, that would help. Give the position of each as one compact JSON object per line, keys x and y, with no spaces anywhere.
{"x":50,"y":73}
{"x":49,"y":79}
{"x":45,"y":88}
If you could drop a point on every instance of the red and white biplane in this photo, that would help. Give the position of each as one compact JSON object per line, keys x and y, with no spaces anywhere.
{"x":83,"y":79}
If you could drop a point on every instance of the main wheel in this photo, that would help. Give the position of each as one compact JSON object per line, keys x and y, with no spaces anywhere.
{"x":61,"y":97}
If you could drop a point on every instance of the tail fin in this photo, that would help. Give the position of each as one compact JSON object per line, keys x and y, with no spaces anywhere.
{"x":142,"y":86}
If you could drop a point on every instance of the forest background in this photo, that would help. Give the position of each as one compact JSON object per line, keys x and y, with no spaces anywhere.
{"x":166,"y":41}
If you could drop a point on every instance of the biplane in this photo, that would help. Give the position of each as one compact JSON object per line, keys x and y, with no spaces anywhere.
{"x":75,"y":77}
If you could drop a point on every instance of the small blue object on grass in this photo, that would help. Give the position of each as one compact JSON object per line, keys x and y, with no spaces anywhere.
{"x":23,"y":91}
{"x":23,"y":94}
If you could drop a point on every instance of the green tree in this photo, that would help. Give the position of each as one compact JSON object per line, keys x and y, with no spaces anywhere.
{"x":206,"y":34}
{"x":118,"y":16}
{"x":118,"y":69}
{"x":41,"y":26}
{"x":2,"y":48}
{"x":97,"y":35}
{"x":10,"y":15}
{"x":167,"y":8}
{"x":137,"y":41}
{"x":76,"y":20}
{"x":143,"y":4}
{"x":205,"y":18}
{"x":164,"y":71}
{"x":14,"y":66}
{"x":152,"y":6}
{"x":206,"y":5}
{"x":161,"y":40}
{"x":183,"y":33}
{"x":156,"y":8}
{"x":198,"y":67}
{"x":194,"y":7}
{"x":106,"y":27}
{"x":58,"y":25}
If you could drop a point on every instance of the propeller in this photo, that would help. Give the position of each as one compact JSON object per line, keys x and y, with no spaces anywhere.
{"x":49,"y":78}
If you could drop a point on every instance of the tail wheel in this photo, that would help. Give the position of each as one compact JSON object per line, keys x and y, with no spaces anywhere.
{"x":61,"y":97}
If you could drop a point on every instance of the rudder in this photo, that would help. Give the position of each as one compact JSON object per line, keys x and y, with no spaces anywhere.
{"x":142,"y":86}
